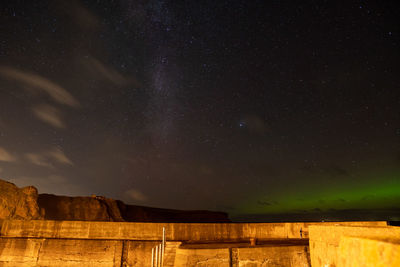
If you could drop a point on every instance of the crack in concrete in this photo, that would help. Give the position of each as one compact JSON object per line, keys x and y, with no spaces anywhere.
{"x":40,"y":247}
{"x":211,"y":260}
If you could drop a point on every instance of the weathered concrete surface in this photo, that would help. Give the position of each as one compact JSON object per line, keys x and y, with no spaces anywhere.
{"x":202,"y":257}
{"x":83,"y":243}
{"x":136,"y":253}
{"x":56,"y":252}
{"x":59,"y":252}
{"x":259,"y":256}
{"x":324,"y":240}
{"x":293,"y":256}
{"x":78,"y":252}
{"x":170,"y":253}
{"x":356,"y":251}
{"x":18,"y":203}
{"x":22,"y":252}
{"x":208,"y":232}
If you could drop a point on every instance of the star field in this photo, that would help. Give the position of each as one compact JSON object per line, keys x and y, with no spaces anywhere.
{"x":249,"y":107}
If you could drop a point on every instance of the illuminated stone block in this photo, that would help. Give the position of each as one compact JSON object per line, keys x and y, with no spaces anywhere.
{"x":324,"y":240}
{"x":356,"y":251}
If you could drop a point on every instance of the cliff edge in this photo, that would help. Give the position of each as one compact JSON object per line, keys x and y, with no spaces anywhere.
{"x":26,"y":204}
{"x":19,"y":203}
{"x":97,"y":208}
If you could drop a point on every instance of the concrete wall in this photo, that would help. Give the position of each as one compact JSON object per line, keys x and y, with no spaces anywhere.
{"x":294,"y":256}
{"x":202,"y":257}
{"x":59,"y":252}
{"x":74,"y":252}
{"x":138,"y":253}
{"x":77,"y":243}
{"x":153,"y":231}
{"x":325,"y":240}
{"x":291,"y":256}
{"x":19,"y":251}
{"x":356,"y":251}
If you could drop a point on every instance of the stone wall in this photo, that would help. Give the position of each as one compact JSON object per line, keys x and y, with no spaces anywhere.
{"x":79,"y":243}
{"x":74,"y":252}
{"x":294,"y":256}
{"x":202,"y":232}
{"x":265,"y":255}
{"x":219,"y":257}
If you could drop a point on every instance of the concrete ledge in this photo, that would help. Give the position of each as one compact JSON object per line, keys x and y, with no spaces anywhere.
{"x":153,"y":231}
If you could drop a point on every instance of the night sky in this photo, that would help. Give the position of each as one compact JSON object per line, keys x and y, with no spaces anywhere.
{"x":248,"y":107}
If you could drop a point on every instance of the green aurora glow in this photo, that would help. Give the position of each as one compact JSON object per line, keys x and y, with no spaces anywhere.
{"x":372,"y":193}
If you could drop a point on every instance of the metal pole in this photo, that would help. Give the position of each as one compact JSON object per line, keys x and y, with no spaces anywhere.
{"x":163,"y":246}
{"x":159,"y":255}
{"x":156,"y":256}
{"x":152,"y":257}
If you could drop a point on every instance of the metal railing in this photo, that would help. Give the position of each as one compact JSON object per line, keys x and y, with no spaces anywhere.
{"x":157,"y":253}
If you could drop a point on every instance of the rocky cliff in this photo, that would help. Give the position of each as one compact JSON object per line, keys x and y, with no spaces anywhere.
{"x":25,"y":203}
{"x":97,"y":208}
{"x":18,"y":203}
{"x":79,"y":208}
{"x":134,"y":213}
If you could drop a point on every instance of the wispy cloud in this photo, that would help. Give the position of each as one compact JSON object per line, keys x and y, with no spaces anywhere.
{"x":6,"y":156}
{"x":49,"y":114}
{"x":52,"y":89}
{"x":48,"y":158}
{"x":38,"y":159}
{"x":107,"y":73}
{"x":60,"y":157}
{"x":133,"y":194}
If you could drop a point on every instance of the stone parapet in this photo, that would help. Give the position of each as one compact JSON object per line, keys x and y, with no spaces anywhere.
{"x":153,"y":231}
{"x":85,"y":243}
